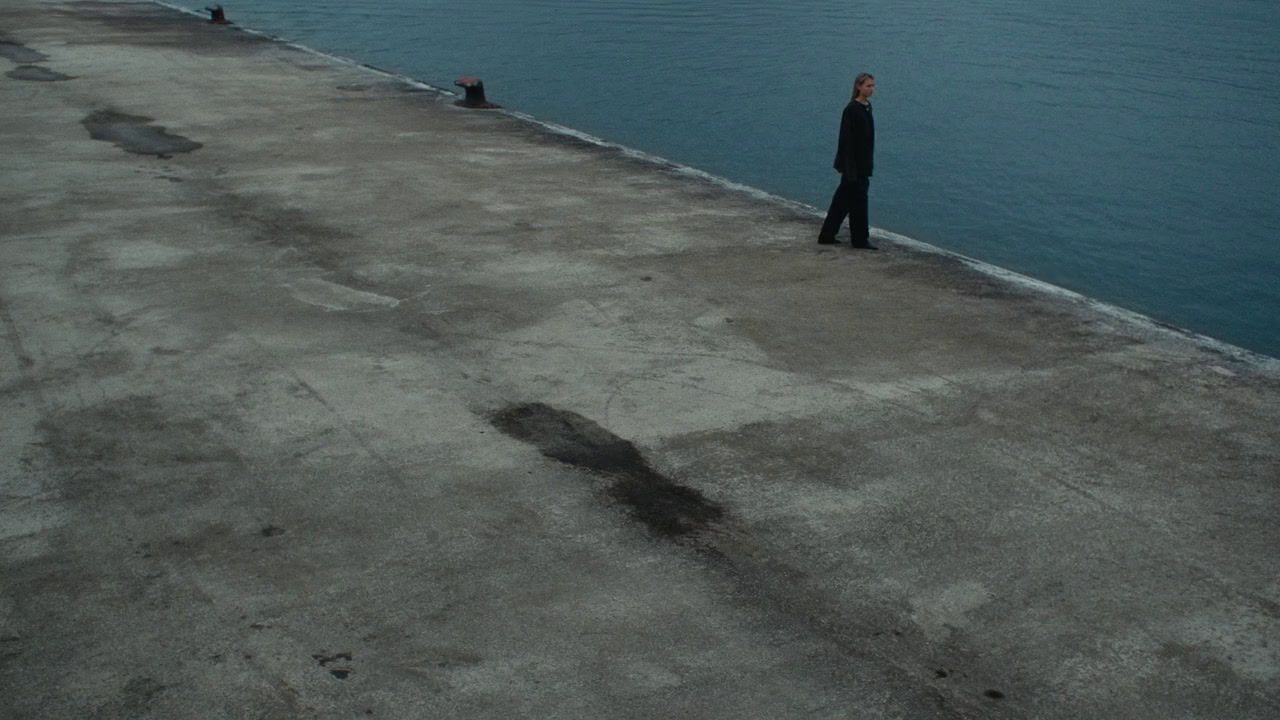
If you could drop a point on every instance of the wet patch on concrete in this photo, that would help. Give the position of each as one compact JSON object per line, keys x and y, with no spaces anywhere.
{"x":35,"y":73}
{"x":20,"y":53}
{"x":135,"y":134}
{"x":666,"y":508}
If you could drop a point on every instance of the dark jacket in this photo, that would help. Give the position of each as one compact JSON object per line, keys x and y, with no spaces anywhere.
{"x":855,"y":153}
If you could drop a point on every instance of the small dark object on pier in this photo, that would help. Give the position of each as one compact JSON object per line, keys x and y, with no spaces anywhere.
{"x":475,"y":93}
{"x":217,"y":15}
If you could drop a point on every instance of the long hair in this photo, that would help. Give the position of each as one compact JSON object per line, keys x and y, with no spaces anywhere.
{"x":859,"y":81}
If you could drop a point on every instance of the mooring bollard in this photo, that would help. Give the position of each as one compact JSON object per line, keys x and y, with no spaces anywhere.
{"x":474,"y":88}
{"x":217,"y":15}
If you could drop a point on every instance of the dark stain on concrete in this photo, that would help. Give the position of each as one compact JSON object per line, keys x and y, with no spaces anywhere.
{"x":106,"y":363}
{"x":20,"y":53}
{"x":290,"y":229}
{"x":452,"y":657}
{"x":666,"y":508}
{"x":955,"y":273}
{"x":35,"y":73}
{"x":324,"y":659}
{"x":135,"y":134}
{"x":140,"y":691}
{"x":134,"y":699}
{"x":340,"y":672}
{"x":272,"y":531}
{"x":115,"y":447}
{"x":138,"y":25}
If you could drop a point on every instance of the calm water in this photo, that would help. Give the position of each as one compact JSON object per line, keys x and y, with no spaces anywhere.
{"x":1128,"y":150}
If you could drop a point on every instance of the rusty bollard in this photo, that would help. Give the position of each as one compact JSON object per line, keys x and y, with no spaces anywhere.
{"x":217,"y":16}
{"x":474,"y":88}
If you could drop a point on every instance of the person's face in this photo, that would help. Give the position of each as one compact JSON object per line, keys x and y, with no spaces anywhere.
{"x":868,"y":87}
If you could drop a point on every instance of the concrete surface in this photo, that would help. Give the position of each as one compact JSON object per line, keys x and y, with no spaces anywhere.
{"x":323,"y":398}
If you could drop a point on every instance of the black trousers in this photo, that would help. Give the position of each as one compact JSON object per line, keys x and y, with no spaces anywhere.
{"x":850,"y":199}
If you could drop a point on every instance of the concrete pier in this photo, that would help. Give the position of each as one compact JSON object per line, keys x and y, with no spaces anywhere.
{"x":323,"y":398}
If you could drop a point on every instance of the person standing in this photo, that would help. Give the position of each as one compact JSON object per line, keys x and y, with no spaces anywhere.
{"x":854,"y":160}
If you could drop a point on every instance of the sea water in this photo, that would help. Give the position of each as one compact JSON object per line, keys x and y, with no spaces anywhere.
{"x":1125,"y":149}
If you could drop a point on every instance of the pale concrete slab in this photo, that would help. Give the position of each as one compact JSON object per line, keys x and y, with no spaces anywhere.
{"x":324,"y":398}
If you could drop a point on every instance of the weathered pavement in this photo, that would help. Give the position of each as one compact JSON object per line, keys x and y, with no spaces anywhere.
{"x":333,"y":400}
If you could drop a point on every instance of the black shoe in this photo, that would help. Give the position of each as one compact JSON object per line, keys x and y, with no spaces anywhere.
{"x":864,"y":245}
{"x":824,"y":240}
